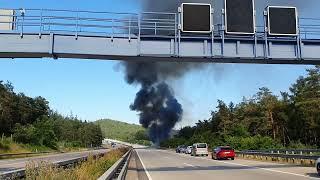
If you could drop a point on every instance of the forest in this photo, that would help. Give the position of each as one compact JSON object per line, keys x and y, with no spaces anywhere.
{"x":263,"y":121}
{"x":30,"y":120}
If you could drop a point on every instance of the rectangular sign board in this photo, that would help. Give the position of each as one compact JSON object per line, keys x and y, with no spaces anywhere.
{"x":239,"y":16}
{"x":282,"y":21}
{"x":6,"y":19}
{"x":196,"y":18}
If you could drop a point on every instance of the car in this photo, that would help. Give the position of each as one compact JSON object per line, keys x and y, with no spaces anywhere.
{"x":318,"y":166}
{"x":181,"y":149}
{"x":188,"y":150}
{"x":223,"y":152}
{"x":199,"y":149}
{"x":113,"y":144}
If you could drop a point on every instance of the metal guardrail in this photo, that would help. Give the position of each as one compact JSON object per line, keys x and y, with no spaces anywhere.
{"x":119,"y":169}
{"x":289,"y":156}
{"x":287,"y":151}
{"x":21,"y":173}
{"x":26,"y":154}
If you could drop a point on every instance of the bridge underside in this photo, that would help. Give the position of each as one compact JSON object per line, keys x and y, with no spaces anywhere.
{"x":210,"y":49}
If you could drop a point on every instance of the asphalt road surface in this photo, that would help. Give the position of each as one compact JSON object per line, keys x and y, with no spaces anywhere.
{"x":14,"y":164}
{"x":167,"y":165}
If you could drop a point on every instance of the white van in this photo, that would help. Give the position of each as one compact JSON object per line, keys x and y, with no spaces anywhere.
{"x":199,"y":149}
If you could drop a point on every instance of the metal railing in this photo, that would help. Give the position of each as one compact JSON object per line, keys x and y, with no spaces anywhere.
{"x":302,"y":157}
{"x":119,"y":169}
{"x":286,"y":151}
{"x":129,"y":25}
{"x":21,"y":173}
{"x":25,"y":154}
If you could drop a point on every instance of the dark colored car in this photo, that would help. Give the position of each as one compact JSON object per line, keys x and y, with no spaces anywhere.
{"x":223,"y":152}
{"x":181,"y":149}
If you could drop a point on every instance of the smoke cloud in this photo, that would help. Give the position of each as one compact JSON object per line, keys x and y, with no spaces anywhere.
{"x":159,"y":110}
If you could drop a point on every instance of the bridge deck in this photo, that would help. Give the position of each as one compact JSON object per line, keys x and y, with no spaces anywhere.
{"x":146,"y":36}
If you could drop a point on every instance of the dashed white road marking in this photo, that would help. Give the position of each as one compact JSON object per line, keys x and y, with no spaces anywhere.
{"x":188,"y":164}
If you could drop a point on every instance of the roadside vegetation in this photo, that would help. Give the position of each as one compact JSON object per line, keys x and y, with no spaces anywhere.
{"x":32,"y":126}
{"x":263,"y":121}
{"x":89,"y":170}
{"x":122,"y":131}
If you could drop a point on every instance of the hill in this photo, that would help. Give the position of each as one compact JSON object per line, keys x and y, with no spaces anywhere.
{"x":119,"y":130}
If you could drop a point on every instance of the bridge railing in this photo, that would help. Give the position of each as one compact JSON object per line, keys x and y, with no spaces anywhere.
{"x":129,"y":25}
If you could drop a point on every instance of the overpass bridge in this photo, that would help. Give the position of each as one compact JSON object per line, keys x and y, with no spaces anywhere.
{"x":150,"y":36}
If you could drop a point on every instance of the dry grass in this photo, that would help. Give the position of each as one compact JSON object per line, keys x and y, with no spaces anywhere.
{"x":89,"y":170}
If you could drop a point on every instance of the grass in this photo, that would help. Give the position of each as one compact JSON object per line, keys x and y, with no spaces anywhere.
{"x":9,"y":146}
{"x":92,"y":169}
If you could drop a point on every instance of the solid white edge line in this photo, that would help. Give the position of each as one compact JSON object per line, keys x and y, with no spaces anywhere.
{"x":144,"y":167}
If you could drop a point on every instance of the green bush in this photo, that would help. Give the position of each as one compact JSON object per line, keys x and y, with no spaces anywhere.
{"x":40,"y":133}
{"x":4,"y":147}
{"x":252,"y":143}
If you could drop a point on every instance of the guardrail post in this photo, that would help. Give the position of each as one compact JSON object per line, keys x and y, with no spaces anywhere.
{"x":22,"y":12}
{"x":222,"y":30}
{"x":129,"y":35}
{"x":40,"y":28}
{"x":112,"y":30}
{"x":77,"y":24}
{"x":139,"y":35}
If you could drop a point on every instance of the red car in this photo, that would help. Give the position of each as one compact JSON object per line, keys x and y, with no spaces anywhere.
{"x":223,"y":152}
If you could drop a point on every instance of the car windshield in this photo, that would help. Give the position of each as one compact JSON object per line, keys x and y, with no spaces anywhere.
{"x":226,"y":148}
{"x":202,"y":146}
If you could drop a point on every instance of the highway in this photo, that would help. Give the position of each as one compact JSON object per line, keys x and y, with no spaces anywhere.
{"x":14,"y":164}
{"x":161,"y":164}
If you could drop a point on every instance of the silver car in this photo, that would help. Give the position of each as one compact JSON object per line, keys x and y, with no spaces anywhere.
{"x":318,"y":166}
{"x":188,"y":150}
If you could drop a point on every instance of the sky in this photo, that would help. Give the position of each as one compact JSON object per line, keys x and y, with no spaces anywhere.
{"x":92,"y":89}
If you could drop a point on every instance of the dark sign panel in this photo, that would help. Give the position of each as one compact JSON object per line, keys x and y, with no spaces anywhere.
{"x":196,"y":18}
{"x":282,"y":21}
{"x":239,"y":16}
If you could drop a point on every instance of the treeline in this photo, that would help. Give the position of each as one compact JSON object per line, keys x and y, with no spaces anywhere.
{"x":264,"y":120}
{"x":30,"y":121}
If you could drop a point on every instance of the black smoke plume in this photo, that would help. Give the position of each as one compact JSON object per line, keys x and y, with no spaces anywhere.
{"x":159,"y":110}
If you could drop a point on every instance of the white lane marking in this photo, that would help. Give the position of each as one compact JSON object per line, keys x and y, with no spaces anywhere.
{"x":166,"y":157}
{"x":189,"y":164}
{"x":144,"y":167}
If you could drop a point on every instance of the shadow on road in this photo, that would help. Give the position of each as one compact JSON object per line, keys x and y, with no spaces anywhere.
{"x":314,"y":175}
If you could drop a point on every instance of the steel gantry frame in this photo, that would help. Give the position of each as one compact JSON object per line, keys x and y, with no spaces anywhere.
{"x":149,"y":36}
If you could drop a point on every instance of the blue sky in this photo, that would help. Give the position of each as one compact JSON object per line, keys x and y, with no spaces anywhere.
{"x":96,"y":89}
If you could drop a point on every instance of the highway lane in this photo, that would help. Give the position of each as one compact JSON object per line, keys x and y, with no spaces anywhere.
{"x":14,"y":164}
{"x":168,"y":165}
